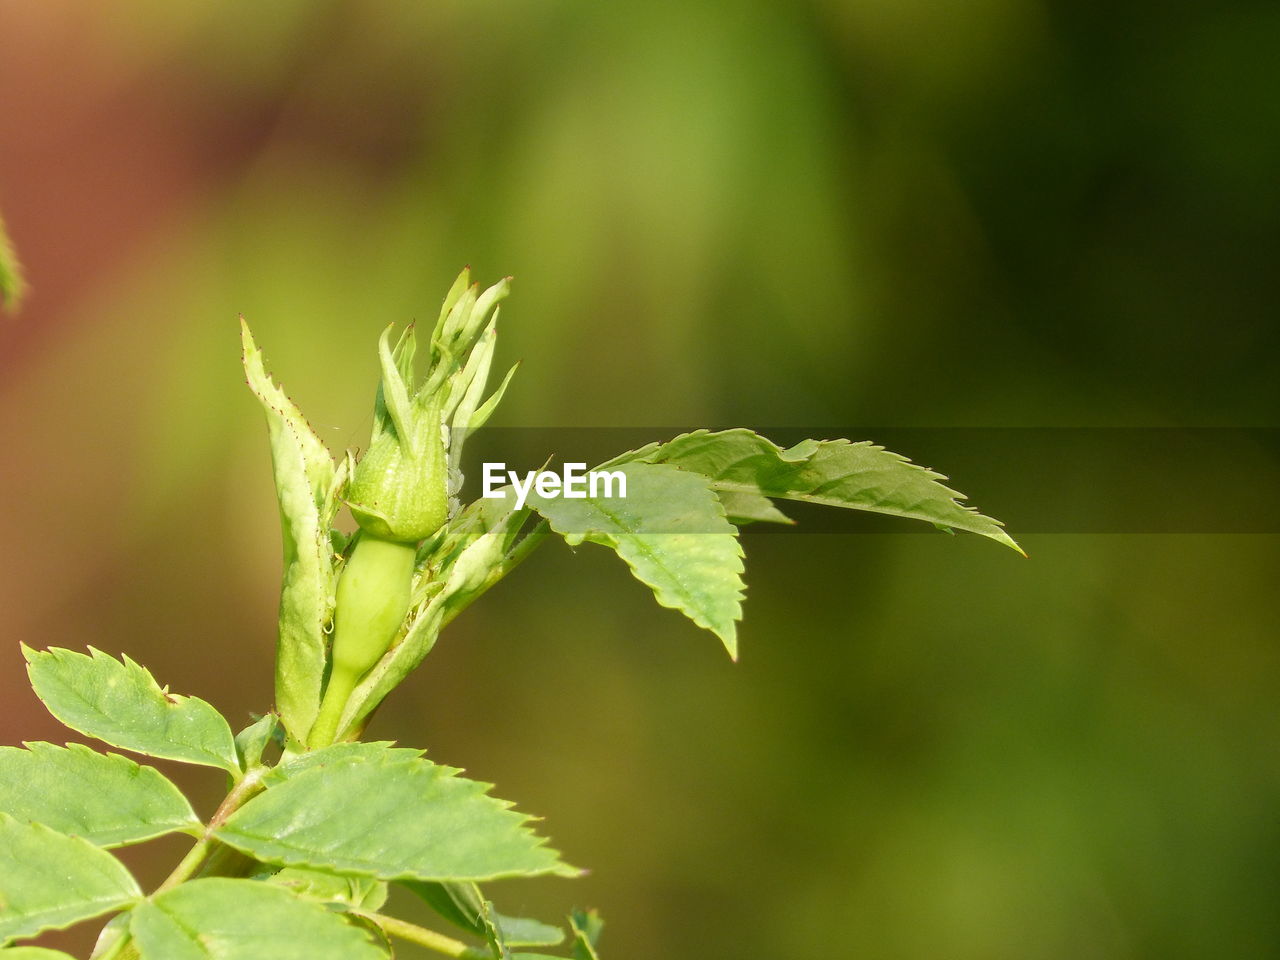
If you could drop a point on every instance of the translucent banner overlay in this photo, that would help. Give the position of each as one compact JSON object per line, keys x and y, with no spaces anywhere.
{"x":1034,"y":479}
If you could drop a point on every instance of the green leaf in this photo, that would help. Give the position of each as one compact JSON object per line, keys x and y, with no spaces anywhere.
{"x":463,"y":905}
{"x":394,"y":819}
{"x":833,"y":473}
{"x":361,"y":893}
{"x":671,"y":530}
{"x":221,"y":919}
{"x":253,"y":740}
{"x":33,"y":953}
{"x":357,"y":751}
{"x":586,"y":926}
{"x":11,"y":284}
{"x":744,"y":506}
{"x":527,"y":932}
{"x":122,"y":704}
{"x":459,"y":903}
{"x":306,"y":488}
{"x":49,"y":881}
{"x":105,"y":798}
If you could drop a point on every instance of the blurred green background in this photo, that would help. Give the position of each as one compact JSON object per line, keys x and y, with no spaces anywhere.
{"x":906,"y":213}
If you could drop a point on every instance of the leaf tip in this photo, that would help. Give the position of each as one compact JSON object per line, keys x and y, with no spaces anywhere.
{"x":730,"y":641}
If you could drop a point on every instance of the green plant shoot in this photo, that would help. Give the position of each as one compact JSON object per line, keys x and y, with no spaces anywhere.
{"x":317,"y":824}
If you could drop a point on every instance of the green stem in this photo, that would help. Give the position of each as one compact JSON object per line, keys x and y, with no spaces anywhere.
{"x":325,"y":730}
{"x":189,"y":864}
{"x":250,"y":785}
{"x":118,"y":947}
{"x":424,"y":937}
{"x":186,"y":869}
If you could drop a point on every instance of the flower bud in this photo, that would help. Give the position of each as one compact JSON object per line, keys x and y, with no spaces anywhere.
{"x":400,"y":488}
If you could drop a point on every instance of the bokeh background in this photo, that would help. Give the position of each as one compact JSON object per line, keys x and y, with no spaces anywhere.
{"x":767,"y":212}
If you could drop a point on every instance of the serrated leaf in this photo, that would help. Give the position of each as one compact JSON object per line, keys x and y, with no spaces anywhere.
{"x":305,"y":481}
{"x":356,"y":751}
{"x":744,"y":506}
{"x":361,"y":893}
{"x":392,"y":819}
{"x":833,"y":473}
{"x":48,"y":881}
{"x":105,"y":798}
{"x":671,"y":530}
{"x":586,"y":926}
{"x":33,"y":953}
{"x":463,"y":905}
{"x":121,"y":704}
{"x":221,"y":919}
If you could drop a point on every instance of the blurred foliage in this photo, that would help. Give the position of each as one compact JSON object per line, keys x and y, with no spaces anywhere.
{"x":10,"y":272}
{"x":834,"y":212}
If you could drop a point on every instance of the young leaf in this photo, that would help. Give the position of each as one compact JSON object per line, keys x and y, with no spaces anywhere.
{"x":105,"y":798}
{"x":672,"y":532}
{"x":220,"y":919}
{"x":253,"y":740}
{"x":586,"y":926}
{"x":122,"y":704}
{"x":305,"y":481}
{"x":834,"y":473}
{"x":390,"y":819}
{"x":33,"y":953}
{"x":49,"y":881}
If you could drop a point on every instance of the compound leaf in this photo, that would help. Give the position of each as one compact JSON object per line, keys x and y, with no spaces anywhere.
{"x":122,"y":704}
{"x":305,"y":488}
{"x":393,"y":819}
{"x":671,"y":530}
{"x":49,"y":880}
{"x":221,"y":919}
{"x":105,"y":798}
{"x":833,"y":473}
